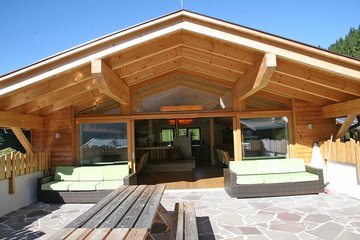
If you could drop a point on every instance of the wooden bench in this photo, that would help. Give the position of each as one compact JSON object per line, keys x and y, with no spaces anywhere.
{"x":186,"y":228}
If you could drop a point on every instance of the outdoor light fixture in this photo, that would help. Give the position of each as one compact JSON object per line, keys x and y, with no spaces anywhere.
{"x":309,"y":126}
{"x":57,"y":135}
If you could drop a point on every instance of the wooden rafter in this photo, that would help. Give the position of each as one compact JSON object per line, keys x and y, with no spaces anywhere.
{"x":346,"y":125}
{"x":22,"y":139}
{"x":8,"y":119}
{"x":256,"y":78}
{"x":109,"y":83}
{"x":341,"y":109}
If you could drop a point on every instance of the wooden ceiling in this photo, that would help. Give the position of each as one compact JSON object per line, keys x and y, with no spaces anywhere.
{"x":181,"y":51}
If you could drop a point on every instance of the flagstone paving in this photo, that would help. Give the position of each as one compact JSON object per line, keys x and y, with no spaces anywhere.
{"x":324,"y":216}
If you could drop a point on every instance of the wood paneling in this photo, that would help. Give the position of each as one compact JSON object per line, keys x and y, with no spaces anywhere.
{"x":309,"y":113}
{"x":61,"y":150}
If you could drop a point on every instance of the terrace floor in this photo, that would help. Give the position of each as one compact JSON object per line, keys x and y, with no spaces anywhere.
{"x":335,"y":215}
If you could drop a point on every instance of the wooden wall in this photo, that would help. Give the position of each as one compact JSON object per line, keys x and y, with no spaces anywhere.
{"x":322,"y":128}
{"x":61,"y":150}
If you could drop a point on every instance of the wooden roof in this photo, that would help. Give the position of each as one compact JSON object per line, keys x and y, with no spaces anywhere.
{"x":253,"y":64}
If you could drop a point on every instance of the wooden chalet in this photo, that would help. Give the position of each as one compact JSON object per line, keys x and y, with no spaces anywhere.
{"x":182,"y":81}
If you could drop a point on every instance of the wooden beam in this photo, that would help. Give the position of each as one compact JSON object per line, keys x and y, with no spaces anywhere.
{"x":341,"y":109}
{"x":181,"y":108}
{"x":256,"y":78}
{"x":109,"y":83}
{"x":22,"y":139}
{"x":346,"y":125}
{"x":8,"y":119}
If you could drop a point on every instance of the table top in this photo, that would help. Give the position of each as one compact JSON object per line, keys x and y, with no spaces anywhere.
{"x":133,"y":206}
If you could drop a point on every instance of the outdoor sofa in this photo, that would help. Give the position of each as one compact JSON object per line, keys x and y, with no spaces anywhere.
{"x":273,"y":177}
{"x":71,"y":184}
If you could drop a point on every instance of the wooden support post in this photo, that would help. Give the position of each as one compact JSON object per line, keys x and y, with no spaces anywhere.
{"x":346,"y":125}
{"x":212,"y":141}
{"x":22,"y":139}
{"x":237,"y":139}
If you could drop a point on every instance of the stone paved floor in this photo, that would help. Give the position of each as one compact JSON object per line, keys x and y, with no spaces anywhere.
{"x":323,"y":216}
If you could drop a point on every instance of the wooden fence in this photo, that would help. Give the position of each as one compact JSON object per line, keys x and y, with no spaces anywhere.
{"x":348,"y":152}
{"x":16,"y":163}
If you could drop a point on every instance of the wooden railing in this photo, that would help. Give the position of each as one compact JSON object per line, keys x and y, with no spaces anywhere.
{"x":16,"y":163}
{"x":348,"y":152}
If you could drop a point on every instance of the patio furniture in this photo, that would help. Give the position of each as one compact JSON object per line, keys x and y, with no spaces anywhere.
{"x":223,"y":157}
{"x":274,"y":177}
{"x":72,"y":184}
{"x":126,"y":213}
{"x":186,"y":228}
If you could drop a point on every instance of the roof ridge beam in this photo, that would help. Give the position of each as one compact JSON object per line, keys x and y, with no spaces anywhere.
{"x":109,"y":83}
{"x":256,"y":78}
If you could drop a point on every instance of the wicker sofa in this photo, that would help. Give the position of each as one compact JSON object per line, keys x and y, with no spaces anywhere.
{"x":274,"y":177}
{"x":71,"y":184}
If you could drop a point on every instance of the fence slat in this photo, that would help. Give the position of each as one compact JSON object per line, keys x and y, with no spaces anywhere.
{"x":2,"y":167}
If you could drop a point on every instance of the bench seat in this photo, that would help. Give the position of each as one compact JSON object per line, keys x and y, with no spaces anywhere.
{"x":272,"y":177}
{"x":71,"y":184}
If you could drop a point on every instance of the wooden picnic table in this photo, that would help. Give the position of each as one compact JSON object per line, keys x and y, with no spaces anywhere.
{"x":126,"y":213}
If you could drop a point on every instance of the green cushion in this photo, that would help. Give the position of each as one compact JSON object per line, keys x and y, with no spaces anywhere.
{"x":276,"y":178}
{"x":303,"y":177}
{"x":292,"y":165}
{"x":66,"y":173}
{"x":57,"y":185}
{"x":109,"y":185}
{"x":249,"y":179}
{"x":268,"y":166}
{"x":83,"y":186}
{"x":91,"y":174}
{"x":115,"y":172}
{"x":243,"y":167}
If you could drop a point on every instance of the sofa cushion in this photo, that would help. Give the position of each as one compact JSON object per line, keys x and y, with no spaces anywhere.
{"x":268,"y":166}
{"x":66,"y":173}
{"x":115,"y":172}
{"x":57,"y":185}
{"x":303,"y":177}
{"x":83,"y":186}
{"x":276,"y":178}
{"x":243,"y":167}
{"x":109,"y":185}
{"x":292,"y":165}
{"x":91,"y":174}
{"x":249,"y":179}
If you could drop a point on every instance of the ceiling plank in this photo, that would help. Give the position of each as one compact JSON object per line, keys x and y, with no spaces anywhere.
{"x":109,"y":83}
{"x":346,"y":125}
{"x":45,"y":88}
{"x":288,"y":91}
{"x":206,"y":76}
{"x":341,"y":109}
{"x":274,"y":97}
{"x":256,"y":78}
{"x":22,"y":139}
{"x":8,"y":119}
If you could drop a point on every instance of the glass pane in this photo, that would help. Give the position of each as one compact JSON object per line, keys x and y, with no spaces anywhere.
{"x":265,"y":137}
{"x":182,"y":132}
{"x":194,"y":133}
{"x":167,"y":135}
{"x":104,"y":143}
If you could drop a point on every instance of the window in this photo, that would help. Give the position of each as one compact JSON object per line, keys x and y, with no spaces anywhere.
{"x":194,"y":133}
{"x":104,"y":143}
{"x":265,"y":137}
{"x":167,"y":135}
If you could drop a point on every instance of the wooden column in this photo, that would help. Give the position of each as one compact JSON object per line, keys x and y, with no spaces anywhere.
{"x":292,"y":132}
{"x":131,"y":145}
{"x":237,"y":139}
{"x":212,"y":140}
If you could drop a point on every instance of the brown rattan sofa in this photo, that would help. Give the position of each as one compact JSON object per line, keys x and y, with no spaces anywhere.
{"x":89,"y":184}
{"x":275,"y":177}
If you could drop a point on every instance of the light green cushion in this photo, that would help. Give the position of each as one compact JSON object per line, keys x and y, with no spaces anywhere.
{"x":243,"y":167}
{"x":109,"y":185}
{"x":91,"y":174}
{"x":249,"y":179}
{"x":268,"y":166}
{"x":57,"y":186}
{"x":66,"y":173}
{"x":83,"y":186}
{"x":292,"y":165}
{"x":115,"y":172}
{"x":276,"y":178}
{"x":303,"y":177}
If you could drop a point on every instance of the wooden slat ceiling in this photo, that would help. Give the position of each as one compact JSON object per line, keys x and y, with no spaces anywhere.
{"x":171,"y":62}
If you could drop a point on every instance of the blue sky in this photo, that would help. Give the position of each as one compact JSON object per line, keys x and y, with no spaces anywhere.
{"x":33,"y":30}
